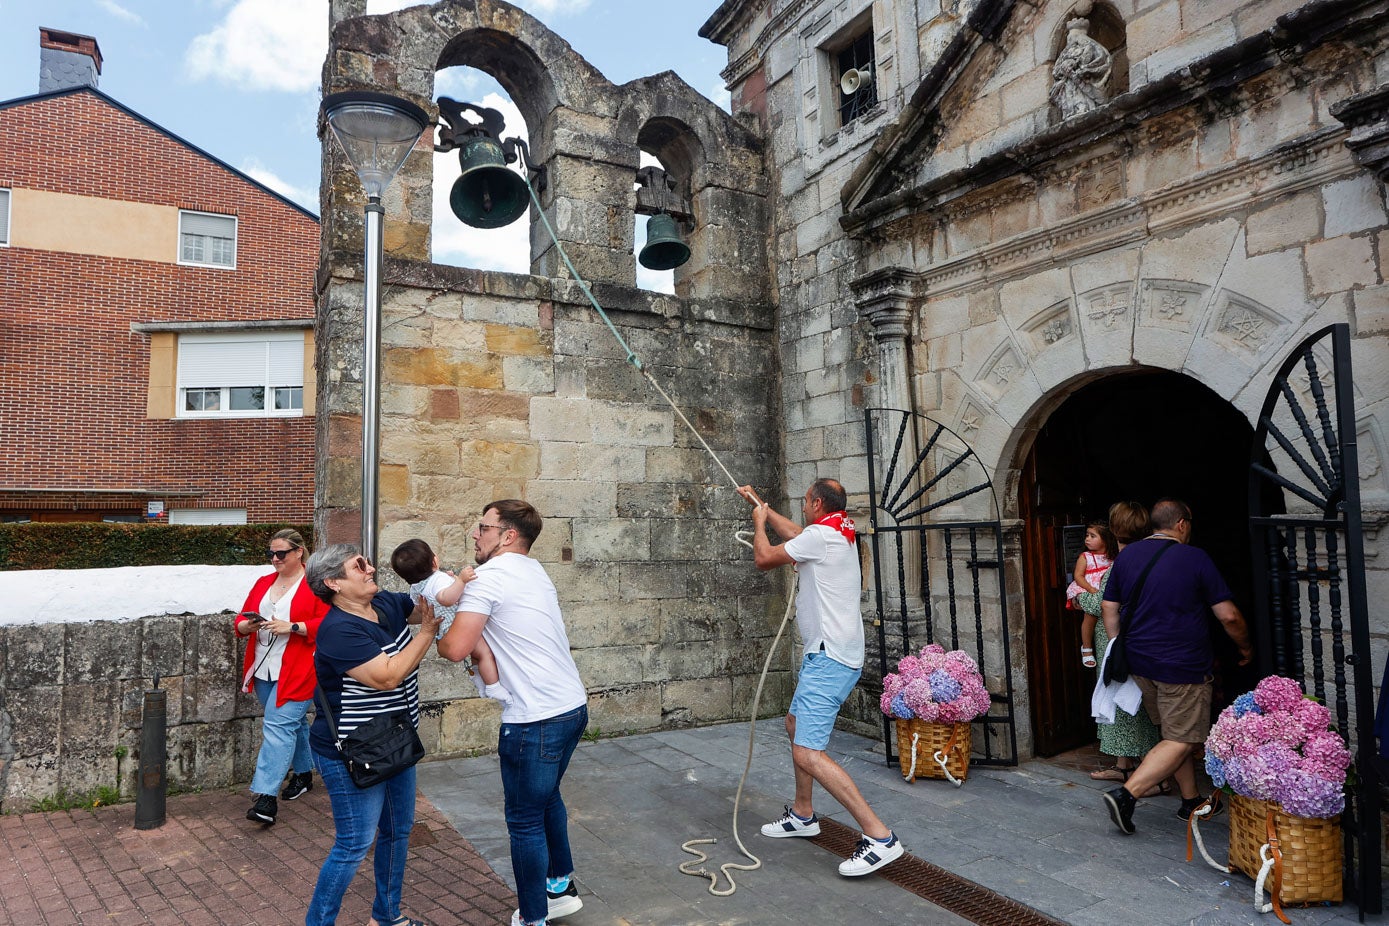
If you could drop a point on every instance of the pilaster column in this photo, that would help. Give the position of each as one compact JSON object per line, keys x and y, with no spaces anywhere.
{"x":883,"y":297}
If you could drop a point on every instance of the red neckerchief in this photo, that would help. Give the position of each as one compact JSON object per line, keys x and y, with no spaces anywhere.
{"x":841,"y":522}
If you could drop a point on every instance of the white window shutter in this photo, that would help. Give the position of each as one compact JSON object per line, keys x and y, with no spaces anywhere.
{"x":287,"y":363}
{"x":226,"y":363}
{"x":213,"y":226}
{"x":4,"y":216}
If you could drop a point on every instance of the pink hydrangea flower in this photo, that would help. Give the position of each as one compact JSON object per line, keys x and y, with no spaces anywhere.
{"x":936,"y":686}
{"x":1288,"y":753}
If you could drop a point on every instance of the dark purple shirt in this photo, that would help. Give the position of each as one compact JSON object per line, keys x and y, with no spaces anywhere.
{"x":1168,"y":633}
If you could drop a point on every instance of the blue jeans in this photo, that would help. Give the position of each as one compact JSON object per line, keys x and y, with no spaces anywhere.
{"x":284,"y":740}
{"x":384,"y":813}
{"x":533,"y":759}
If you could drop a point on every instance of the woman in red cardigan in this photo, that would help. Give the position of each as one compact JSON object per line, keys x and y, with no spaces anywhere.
{"x":281,"y":618}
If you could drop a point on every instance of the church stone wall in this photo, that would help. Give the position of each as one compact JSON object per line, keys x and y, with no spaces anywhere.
{"x":974,"y":256}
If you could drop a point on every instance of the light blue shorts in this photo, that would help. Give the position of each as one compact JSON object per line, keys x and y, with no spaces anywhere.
{"x":823,"y":687}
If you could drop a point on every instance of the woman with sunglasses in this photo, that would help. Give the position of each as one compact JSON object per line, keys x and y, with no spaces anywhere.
{"x":366,"y":662}
{"x":281,"y":618}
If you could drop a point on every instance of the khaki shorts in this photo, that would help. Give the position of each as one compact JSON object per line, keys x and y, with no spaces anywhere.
{"x":1181,"y":711}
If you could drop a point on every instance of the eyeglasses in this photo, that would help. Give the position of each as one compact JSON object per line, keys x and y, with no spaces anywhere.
{"x":360,"y":562}
{"x":480,"y":528}
{"x":279,"y":554}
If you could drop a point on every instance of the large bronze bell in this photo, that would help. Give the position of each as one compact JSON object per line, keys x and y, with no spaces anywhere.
{"x":664,"y":248}
{"x":488,"y":194}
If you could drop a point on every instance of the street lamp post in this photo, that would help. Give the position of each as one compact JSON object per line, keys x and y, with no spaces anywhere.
{"x":376,"y":132}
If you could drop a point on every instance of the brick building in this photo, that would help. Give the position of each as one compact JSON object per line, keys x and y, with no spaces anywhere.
{"x":156,"y":343}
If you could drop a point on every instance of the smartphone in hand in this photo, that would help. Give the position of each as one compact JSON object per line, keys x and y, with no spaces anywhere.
{"x":252,"y":616}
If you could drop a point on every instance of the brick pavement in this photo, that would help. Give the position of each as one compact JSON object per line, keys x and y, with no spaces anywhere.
{"x":209,"y":866}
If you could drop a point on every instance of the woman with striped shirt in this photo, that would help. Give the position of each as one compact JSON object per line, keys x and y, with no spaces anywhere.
{"x":366,"y":661}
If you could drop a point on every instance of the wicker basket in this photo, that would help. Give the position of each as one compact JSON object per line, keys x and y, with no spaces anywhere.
{"x":953,"y":739}
{"x":1312,"y":862}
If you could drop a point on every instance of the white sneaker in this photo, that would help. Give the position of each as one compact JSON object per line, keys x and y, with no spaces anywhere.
{"x":870,"y":856}
{"x":516,"y":919}
{"x":788,"y":824}
{"x":564,"y":903}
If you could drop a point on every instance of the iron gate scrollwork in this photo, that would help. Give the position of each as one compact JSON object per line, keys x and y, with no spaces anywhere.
{"x":1311,"y":621}
{"x":938,"y":571}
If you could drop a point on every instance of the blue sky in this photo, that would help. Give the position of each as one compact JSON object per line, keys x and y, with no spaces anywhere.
{"x":239,"y":78}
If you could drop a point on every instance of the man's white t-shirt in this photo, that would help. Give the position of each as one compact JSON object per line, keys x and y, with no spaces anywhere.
{"x":827,"y":600}
{"x":526,"y":633}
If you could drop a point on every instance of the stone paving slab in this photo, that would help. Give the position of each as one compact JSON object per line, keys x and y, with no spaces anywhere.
{"x":1037,"y":833}
{"x":209,"y":866}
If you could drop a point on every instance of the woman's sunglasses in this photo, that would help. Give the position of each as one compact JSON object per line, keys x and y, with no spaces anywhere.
{"x":279,"y":554}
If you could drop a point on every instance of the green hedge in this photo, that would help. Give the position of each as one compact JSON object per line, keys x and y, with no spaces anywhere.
{"x":93,"y":545}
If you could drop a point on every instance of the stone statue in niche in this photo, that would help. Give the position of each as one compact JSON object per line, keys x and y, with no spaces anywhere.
{"x":1080,"y":71}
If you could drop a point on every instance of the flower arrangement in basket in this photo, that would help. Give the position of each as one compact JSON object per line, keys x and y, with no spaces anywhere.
{"x":1275,"y":752}
{"x":933,"y":696}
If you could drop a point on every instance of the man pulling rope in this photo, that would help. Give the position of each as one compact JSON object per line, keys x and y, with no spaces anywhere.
{"x":825,"y":554}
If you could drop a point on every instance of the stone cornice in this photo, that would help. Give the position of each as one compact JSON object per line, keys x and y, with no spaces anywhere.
{"x":1309,"y":162}
{"x":1367,"y":117}
{"x":1292,"y":36}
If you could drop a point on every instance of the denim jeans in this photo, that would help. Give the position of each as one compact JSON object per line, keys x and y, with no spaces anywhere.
{"x":533,"y":759}
{"x":284,"y":740}
{"x":385,"y":813}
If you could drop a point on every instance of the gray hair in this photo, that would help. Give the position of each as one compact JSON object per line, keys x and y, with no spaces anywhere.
{"x":328,"y":563}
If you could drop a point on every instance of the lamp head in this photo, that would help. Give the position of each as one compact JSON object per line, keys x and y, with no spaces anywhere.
{"x":376,"y":131}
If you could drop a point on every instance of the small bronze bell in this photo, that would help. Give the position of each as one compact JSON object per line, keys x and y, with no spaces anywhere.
{"x":664,"y":249}
{"x":488,"y":194}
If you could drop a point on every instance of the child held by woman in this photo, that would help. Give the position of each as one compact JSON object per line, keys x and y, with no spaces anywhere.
{"x":1100,"y":548}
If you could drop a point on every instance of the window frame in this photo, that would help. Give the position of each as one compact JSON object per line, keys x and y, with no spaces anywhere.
{"x":9,"y":217}
{"x":224,"y":409}
{"x":235,"y":240}
{"x":849,"y":109}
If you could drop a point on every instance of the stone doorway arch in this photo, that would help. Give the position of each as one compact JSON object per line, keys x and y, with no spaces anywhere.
{"x":1137,"y":434}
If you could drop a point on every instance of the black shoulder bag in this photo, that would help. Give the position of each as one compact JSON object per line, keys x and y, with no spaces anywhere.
{"x":379,"y":749}
{"x":1116,"y":663}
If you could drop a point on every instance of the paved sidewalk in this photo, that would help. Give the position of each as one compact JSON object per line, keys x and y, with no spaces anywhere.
{"x":209,"y":866}
{"x":1037,"y":834}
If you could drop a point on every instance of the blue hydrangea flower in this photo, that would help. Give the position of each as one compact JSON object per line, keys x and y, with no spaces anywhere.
{"x":1245,"y":704}
{"x":944,"y":688}
{"x":899,"y":707}
{"x":1216,"y":769}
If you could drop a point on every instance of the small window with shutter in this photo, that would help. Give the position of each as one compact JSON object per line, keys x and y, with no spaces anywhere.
{"x":4,"y":218}
{"x":207,"y":240}
{"x":241,"y":375}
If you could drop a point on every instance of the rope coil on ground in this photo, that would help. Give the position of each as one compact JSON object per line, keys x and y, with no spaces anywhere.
{"x":743,"y":537}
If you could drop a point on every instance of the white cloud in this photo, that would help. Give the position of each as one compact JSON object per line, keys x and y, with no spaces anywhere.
{"x":306,"y":197}
{"x":264,"y":45}
{"x":120,"y":12}
{"x":721,"y":97}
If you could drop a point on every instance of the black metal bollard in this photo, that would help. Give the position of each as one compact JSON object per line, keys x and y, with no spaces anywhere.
{"x":153,"y":784}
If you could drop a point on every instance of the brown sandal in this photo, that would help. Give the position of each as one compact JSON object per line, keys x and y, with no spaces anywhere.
{"x":1111,"y":773}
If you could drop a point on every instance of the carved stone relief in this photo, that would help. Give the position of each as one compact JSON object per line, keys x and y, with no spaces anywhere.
{"x":1107,"y":307}
{"x":1000,"y":370}
{"x":1103,"y":184}
{"x":1244,"y":324}
{"x":1053,"y":324}
{"x":1370,"y":444}
{"x":1171,"y":304}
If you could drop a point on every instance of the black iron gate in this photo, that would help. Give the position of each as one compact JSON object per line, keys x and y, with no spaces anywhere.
{"x":938,"y":562}
{"x":1311,"y":622}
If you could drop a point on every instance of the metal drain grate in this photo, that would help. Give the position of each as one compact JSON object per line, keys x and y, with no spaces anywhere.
{"x":930,"y":882}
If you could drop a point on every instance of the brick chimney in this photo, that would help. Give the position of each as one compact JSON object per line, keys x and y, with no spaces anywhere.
{"x":67,"y":60}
